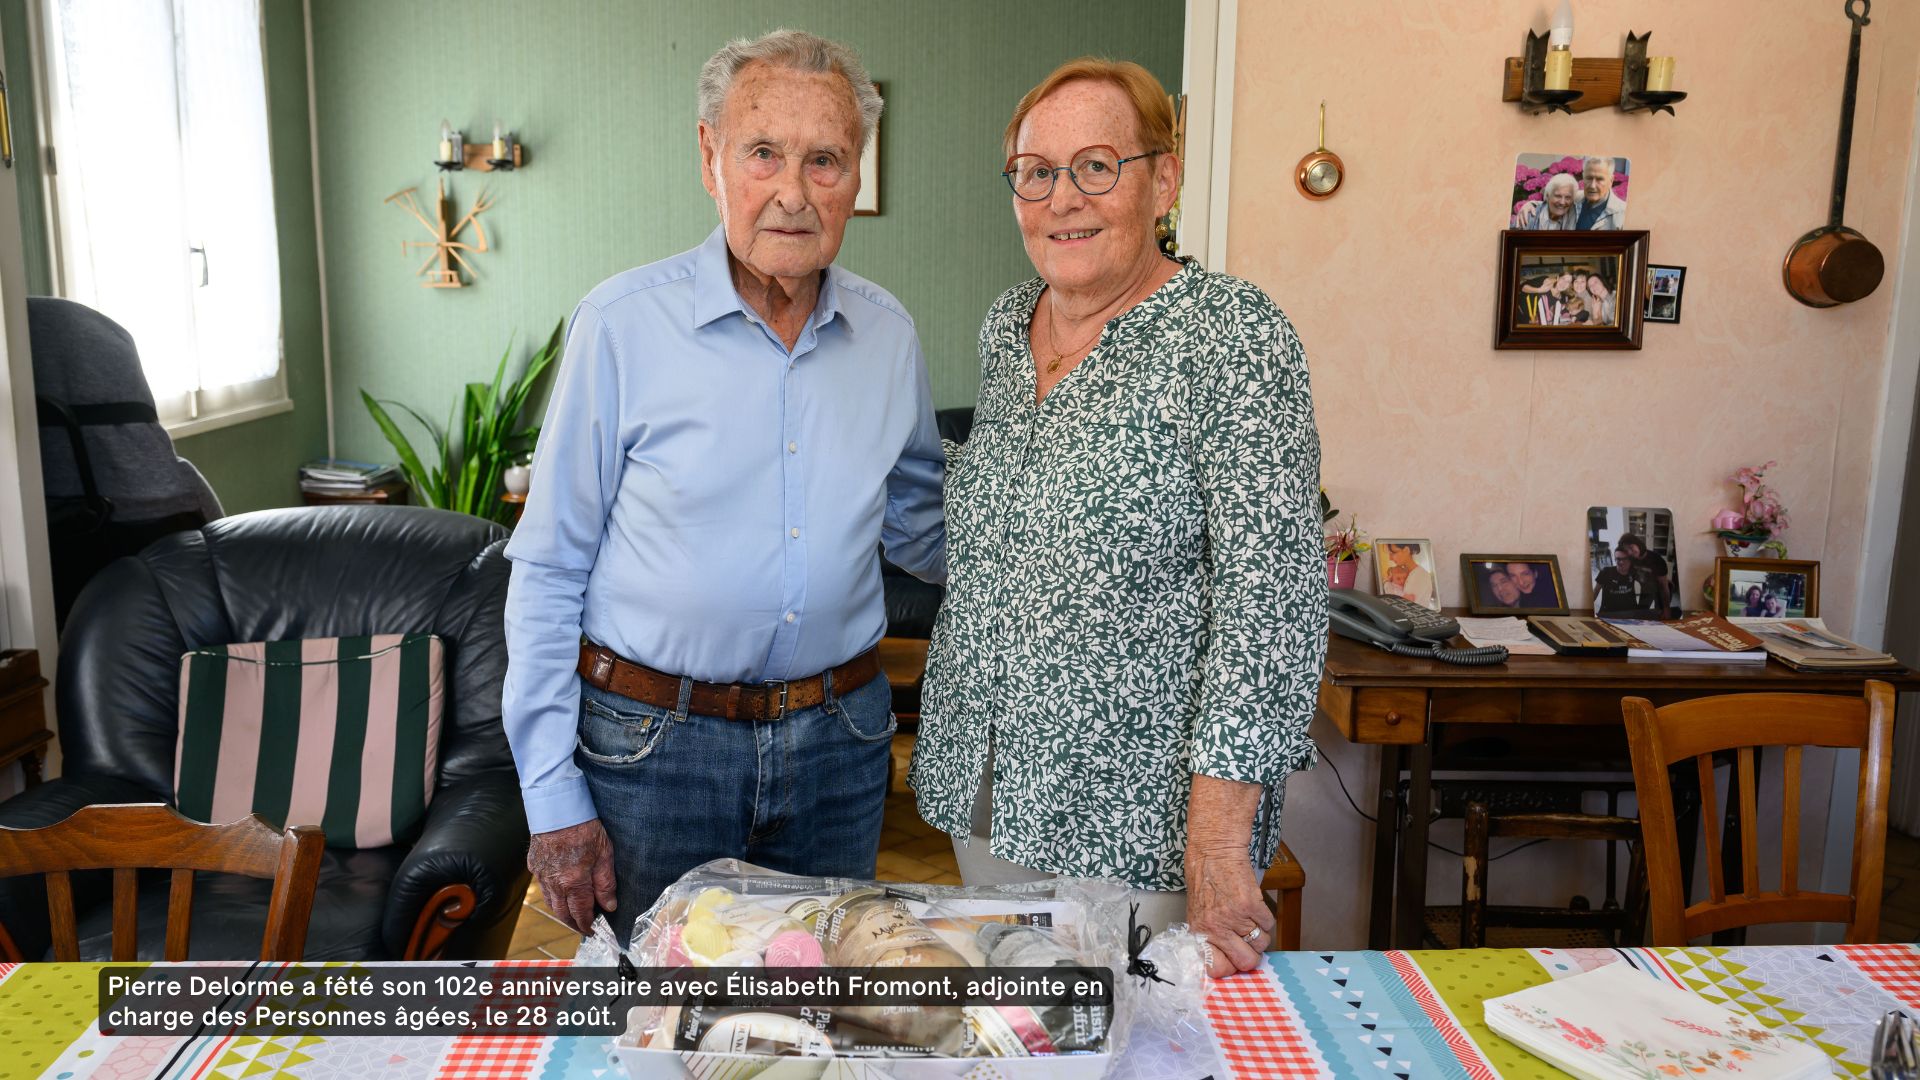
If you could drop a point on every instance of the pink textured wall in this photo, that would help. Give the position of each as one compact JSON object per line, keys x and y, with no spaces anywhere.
{"x":1427,"y":430}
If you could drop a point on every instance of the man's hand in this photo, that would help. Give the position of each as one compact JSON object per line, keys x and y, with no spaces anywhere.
{"x":574,"y":867}
{"x":1223,"y":905}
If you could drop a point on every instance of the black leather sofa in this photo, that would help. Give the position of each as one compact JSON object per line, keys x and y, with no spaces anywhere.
{"x":453,"y":891}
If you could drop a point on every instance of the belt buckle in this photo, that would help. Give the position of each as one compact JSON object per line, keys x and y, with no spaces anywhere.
{"x":782,"y":714}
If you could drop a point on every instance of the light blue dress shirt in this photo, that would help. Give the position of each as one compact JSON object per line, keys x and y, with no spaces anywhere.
{"x":708,"y":504}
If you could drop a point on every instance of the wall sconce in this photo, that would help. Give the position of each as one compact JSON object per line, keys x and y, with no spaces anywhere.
{"x":503,"y":154}
{"x":1547,"y":66}
{"x":1633,"y":82}
{"x":1646,"y":83}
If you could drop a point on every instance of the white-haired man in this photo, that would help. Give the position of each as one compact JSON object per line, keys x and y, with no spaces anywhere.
{"x":1554,"y":208}
{"x":1601,"y":208}
{"x":695,"y":596}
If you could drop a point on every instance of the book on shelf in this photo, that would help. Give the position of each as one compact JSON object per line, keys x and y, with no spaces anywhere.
{"x":1807,"y":645}
{"x":339,"y":474}
{"x":1618,"y":1021}
{"x":1699,"y":636}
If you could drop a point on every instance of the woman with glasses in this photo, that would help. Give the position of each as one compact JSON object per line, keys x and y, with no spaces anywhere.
{"x":1123,"y":671}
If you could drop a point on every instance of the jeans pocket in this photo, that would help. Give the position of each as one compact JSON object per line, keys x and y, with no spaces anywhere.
{"x":867,"y":713}
{"x":611,"y":736}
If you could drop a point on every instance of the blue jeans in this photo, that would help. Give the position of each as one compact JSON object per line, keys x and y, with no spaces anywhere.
{"x":803,"y":794}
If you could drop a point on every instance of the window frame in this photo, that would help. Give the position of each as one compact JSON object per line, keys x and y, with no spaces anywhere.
{"x":197,"y":411}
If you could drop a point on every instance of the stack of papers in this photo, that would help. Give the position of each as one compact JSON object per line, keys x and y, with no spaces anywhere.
{"x":1617,"y":1022}
{"x":1508,"y":632}
{"x":1807,"y":645}
{"x":339,"y":476}
{"x":1700,"y":636}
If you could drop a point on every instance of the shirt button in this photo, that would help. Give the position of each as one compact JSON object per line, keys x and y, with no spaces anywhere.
{"x":789,"y":616}
{"x":793,"y":448}
{"x":795,"y":533}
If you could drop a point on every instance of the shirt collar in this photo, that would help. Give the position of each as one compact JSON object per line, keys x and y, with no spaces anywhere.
{"x":714,"y":296}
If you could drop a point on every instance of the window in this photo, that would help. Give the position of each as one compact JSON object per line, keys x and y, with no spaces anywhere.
{"x":162,"y":194}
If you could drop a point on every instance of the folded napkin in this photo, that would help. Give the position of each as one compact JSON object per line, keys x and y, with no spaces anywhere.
{"x":1616,"y":1022}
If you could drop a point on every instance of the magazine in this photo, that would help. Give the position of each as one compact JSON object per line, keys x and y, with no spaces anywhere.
{"x":1807,"y":645}
{"x":1699,"y":636}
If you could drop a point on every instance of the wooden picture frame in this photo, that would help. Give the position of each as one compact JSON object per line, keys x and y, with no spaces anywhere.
{"x":867,"y":203}
{"x":1761,"y":573}
{"x":1483,"y":591}
{"x":1543,"y":302}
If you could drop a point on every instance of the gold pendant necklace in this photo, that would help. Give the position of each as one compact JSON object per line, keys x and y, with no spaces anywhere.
{"x":1053,"y":340}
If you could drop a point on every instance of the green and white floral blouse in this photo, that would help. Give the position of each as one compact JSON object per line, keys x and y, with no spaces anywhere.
{"x":1138,"y":588}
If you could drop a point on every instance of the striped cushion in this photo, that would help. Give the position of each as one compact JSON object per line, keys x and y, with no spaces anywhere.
{"x":342,"y":733}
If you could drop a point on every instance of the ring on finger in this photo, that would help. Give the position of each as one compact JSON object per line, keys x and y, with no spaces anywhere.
{"x":1252,"y":936}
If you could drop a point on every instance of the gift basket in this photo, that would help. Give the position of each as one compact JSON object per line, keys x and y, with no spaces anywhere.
{"x":738,"y":918}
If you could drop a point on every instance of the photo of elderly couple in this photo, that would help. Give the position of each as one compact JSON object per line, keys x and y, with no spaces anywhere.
{"x":737,"y":576}
{"x":1569,"y":192}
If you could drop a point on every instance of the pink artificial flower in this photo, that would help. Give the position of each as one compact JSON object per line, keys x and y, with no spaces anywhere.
{"x":1728,"y":520}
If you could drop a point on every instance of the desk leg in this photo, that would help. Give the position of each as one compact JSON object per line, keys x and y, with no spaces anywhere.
{"x":1411,"y":893}
{"x":1386,"y":830}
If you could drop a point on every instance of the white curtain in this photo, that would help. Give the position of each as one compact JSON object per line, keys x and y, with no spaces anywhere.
{"x":164,"y":182}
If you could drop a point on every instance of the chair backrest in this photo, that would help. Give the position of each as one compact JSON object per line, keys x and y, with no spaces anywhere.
{"x":1621,"y":925}
{"x":1742,"y":723}
{"x":129,"y":837}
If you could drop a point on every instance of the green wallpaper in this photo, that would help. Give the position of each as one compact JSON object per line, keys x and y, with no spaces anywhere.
{"x":601,"y":92}
{"x":252,"y":465}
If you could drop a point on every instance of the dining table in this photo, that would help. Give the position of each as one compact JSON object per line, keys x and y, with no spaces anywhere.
{"x":1348,"y":1014}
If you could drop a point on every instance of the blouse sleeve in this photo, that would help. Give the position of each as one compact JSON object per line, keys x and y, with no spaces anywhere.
{"x":1257,"y":458}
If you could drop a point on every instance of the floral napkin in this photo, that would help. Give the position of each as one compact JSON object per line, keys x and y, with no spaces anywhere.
{"x":1617,"y":1022}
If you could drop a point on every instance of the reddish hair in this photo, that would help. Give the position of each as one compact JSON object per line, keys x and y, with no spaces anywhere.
{"x":1153,"y":112}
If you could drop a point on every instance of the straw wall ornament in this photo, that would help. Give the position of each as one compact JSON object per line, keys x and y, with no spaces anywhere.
{"x":446,"y":244}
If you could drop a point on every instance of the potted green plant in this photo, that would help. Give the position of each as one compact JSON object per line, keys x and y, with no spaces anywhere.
{"x":1343,"y":544}
{"x":468,"y":460}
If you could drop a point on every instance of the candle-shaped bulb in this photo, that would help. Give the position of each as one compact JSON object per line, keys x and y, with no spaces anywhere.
{"x":1561,"y":35}
{"x":446,"y":141}
{"x":499,"y":142}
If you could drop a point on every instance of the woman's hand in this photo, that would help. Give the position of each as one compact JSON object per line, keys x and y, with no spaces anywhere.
{"x":1225,"y":906}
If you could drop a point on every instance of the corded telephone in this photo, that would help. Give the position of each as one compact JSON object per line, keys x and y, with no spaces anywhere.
{"x":1402,"y":627}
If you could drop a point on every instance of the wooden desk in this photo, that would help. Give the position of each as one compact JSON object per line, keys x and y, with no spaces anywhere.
{"x":1403,"y":705}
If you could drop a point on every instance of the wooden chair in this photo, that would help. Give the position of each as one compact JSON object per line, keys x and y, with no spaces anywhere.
{"x":1742,"y":722}
{"x":1281,"y":885}
{"x":1612,"y":924}
{"x":129,"y":837}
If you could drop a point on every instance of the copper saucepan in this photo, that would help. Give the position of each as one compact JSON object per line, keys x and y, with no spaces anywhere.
{"x":1833,"y":264}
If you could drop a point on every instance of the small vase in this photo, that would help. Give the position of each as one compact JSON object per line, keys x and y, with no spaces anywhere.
{"x":517,"y":479}
{"x":1342,"y":572}
{"x":1742,"y":546}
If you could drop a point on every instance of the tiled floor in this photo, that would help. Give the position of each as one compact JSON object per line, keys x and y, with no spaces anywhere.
{"x":910,"y":850}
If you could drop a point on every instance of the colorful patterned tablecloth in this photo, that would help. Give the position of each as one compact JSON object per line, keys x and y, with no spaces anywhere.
{"x":1368,"y":1015}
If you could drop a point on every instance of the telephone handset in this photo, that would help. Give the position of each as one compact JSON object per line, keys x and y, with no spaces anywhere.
{"x":1402,"y":627}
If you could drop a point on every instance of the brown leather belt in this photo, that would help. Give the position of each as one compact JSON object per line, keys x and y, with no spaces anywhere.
{"x":733,"y":701}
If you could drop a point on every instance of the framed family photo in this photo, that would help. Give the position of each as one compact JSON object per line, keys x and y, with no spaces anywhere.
{"x":1663,"y":292}
{"x":1767,"y":588}
{"x":1404,"y":568}
{"x":1571,"y":290}
{"x":1514,"y":584}
{"x":1633,"y":563}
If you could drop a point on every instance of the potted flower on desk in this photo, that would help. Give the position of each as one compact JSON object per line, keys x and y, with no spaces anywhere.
{"x":1755,"y":527}
{"x":1344,"y":546}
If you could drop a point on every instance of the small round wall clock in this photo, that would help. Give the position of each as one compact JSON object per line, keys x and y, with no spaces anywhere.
{"x":1320,"y":173}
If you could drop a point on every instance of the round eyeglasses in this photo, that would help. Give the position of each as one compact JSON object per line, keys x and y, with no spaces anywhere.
{"x":1095,"y":170}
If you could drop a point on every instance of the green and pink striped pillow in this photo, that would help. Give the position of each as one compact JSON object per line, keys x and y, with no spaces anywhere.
{"x":342,"y":733}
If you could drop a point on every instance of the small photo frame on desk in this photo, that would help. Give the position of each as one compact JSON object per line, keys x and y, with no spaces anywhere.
{"x":1514,"y":584}
{"x":1767,"y":588}
{"x":1571,"y":290}
{"x":1404,"y":568}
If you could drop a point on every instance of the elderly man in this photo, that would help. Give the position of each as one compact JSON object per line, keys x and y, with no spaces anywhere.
{"x":1554,"y":208}
{"x":695,"y":596}
{"x":1601,"y":208}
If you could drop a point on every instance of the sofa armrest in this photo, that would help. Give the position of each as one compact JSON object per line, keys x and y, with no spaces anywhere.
{"x":476,"y":836}
{"x":23,"y":899}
